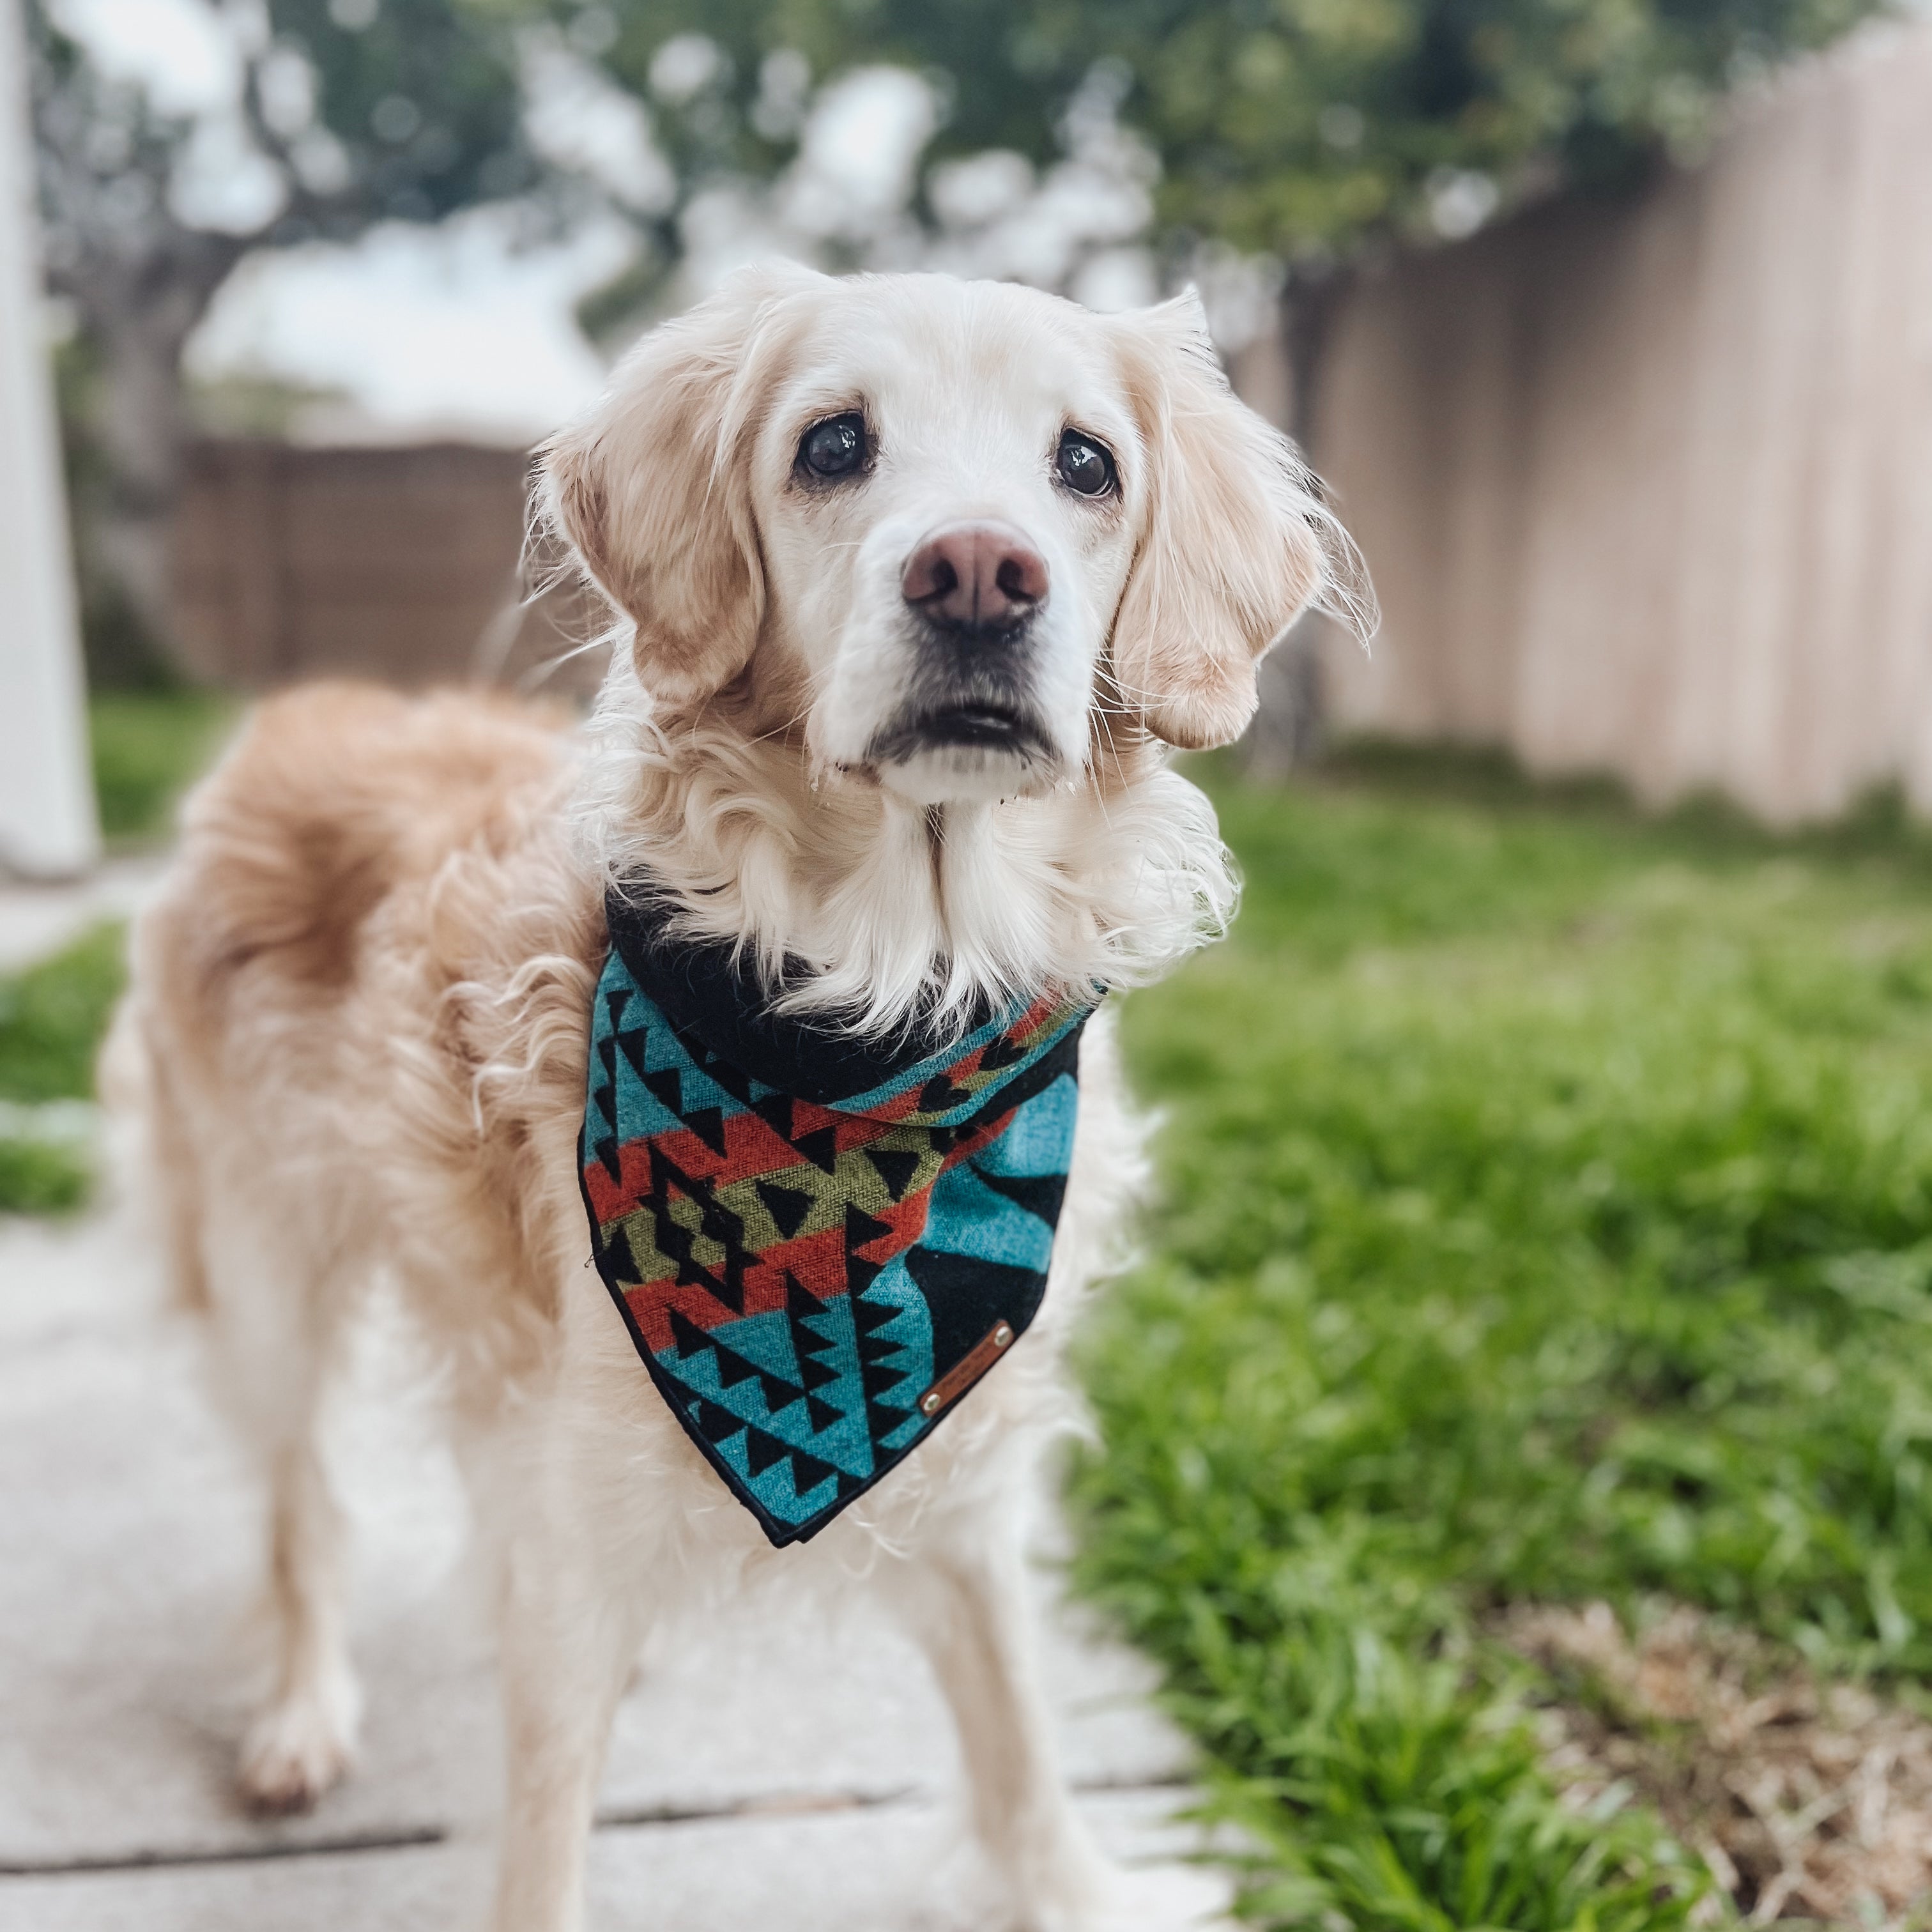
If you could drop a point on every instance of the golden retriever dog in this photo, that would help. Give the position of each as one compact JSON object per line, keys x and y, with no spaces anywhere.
{"x":912,"y":581}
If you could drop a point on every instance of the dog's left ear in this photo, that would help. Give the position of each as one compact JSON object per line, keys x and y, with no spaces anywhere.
{"x":1235,"y":544}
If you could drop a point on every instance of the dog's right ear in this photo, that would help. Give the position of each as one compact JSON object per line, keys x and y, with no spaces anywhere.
{"x":650,"y":490}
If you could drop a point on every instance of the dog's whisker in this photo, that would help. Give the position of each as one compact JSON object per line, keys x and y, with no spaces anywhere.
{"x":1099,"y":786}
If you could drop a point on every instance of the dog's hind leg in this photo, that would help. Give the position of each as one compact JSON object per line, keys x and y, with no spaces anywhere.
{"x":275,"y":1315}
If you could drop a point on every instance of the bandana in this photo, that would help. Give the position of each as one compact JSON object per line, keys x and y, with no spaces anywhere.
{"x":819,"y":1244}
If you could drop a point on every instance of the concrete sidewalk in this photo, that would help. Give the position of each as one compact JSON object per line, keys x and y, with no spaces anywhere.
{"x":787,"y":1783}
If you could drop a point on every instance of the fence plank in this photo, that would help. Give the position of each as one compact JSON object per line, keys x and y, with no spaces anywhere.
{"x":1645,"y":487}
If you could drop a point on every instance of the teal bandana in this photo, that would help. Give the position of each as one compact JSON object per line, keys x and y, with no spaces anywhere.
{"x":819,"y":1245}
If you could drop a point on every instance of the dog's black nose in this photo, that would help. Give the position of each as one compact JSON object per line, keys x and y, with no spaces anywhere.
{"x":975,"y":573}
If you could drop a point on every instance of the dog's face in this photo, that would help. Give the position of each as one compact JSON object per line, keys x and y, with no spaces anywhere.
{"x":940,"y":526}
{"x":941,"y":492}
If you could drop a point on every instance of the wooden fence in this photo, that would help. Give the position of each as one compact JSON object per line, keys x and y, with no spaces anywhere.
{"x":1647,"y":488}
{"x":401,"y":564}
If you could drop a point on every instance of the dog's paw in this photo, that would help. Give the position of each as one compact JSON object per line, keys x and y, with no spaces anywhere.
{"x":1145,"y":1898}
{"x":296,"y":1750}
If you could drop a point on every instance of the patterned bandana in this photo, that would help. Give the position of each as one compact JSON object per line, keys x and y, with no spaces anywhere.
{"x":818,"y":1245}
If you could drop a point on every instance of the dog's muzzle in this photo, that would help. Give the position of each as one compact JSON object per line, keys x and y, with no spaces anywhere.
{"x":972,"y":592}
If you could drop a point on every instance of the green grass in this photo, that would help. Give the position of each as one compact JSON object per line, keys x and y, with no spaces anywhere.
{"x":148,"y":747}
{"x":41,"y":1177}
{"x":52,"y":1017}
{"x":1548,"y":1214}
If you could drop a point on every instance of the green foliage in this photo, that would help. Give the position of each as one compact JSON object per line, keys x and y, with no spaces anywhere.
{"x":421,"y":97}
{"x":1286,"y":125}
{"x":53,"y":1015}
{"x":40,"y":1178}
{"x":1242,"y":99}
{"x":148,"y":747}
{"x":1549,"y":1214}
{"x":52,"y":1018}
{"x":366,"y":110}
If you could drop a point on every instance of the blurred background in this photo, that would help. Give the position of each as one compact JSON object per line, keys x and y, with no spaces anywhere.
{"x":1519,"y":1433}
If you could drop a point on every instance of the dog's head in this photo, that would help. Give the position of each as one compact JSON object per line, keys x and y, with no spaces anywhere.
{"x":938,"y":525}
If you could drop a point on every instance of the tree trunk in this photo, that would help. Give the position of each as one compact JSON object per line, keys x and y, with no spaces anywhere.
{"x":143,"y":431}
{"x":138,"y":318}
{"x":1289,"y":729}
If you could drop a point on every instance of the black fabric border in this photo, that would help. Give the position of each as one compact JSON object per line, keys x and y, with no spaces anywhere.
{"x":698,"y":987}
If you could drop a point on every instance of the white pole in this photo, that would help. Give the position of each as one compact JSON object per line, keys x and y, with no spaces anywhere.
{"x":48,"y":828}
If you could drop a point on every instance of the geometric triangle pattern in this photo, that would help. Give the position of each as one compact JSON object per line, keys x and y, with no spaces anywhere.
{"x":814,"y":1280}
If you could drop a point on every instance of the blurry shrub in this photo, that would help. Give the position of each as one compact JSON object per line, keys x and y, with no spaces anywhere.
{"x":53,"y":1015}
{"x":149,"y":747}
{"x":40,"y":1178}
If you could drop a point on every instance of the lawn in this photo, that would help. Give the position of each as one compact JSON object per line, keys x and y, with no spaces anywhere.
{"x":1547,"y":1217}
{"x":51,"y":1016}
{"x":147,"y":747}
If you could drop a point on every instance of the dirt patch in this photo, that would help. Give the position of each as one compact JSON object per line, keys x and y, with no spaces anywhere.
{"x":1808,"y":1799}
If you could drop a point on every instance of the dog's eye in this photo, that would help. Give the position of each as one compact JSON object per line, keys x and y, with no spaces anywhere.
{"x":1084,"y":465}
{"x":836,"y":447}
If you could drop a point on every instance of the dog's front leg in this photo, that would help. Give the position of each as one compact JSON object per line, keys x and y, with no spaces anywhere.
{"x":569,"y":1639}
{"x":970,"y":1610}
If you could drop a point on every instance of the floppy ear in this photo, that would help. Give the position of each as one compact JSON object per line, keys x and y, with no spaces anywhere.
{"x":1235,"y":543}
{"x":651,"y":491}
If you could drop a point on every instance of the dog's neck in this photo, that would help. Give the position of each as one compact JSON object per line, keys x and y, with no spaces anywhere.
{"x":896,"y":908}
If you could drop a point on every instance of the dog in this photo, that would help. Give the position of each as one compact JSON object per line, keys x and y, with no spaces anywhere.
{"x":912,"y":582}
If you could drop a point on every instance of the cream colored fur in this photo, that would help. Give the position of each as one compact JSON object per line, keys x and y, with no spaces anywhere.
{"x":357,"y":1030}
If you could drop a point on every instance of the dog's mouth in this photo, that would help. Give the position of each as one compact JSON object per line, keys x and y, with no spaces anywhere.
{"x":979,"y":726}
{"x":982,"y":749}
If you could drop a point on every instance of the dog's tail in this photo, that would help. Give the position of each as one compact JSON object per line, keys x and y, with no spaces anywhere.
{"x":151,"y":1156}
